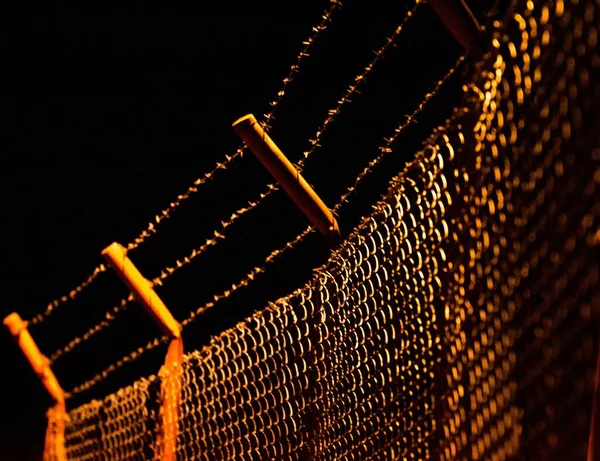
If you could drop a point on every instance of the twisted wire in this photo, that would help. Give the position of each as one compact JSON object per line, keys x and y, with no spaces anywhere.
{"x":457,"y":321}
{"x":165,"y":214}
{"x":219,"y":233}
{"x":276,"y":254}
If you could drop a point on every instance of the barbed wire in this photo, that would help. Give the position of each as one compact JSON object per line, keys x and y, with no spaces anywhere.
{"x":304,"y":53}
{"x":276,"y":254}
{"x":386,"y":149}
{"x":104,"y":323}
{"x":165,"y":214}
{"x":52,"y":305}
{"x":352,"y":90}
{"x":115,"y":366}
{"x":491,"y":226}
{"x":219,"y":234}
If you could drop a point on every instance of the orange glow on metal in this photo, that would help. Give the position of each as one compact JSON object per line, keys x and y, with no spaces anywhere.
{"x":171,"y":376}
{"x":39,"y":363}
{"x":171,"y":372}
{"x":54,"y":446}
{"x":54,"y":443}
{"x":286,"y":174}
{"x":116,"y":255}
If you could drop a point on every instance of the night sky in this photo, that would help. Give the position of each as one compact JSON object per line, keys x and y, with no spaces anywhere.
{"x":108,"y":117}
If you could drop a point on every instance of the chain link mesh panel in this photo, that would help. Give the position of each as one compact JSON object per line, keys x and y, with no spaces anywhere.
{"x":123,"y":426}
{"x":458,"y":321}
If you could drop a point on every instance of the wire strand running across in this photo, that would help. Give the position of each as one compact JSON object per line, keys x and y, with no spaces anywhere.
{"x":219,"y":234}
{"x":165,"y":214}
{"x":273,"y":256}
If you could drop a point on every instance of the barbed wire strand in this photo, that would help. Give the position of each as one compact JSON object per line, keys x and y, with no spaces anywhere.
{"x":386,"y":149}
{"x":52,"y":305}
{"x":109,"y":316}
{"x":304,"y":53}
{"x":352,"y":89}
{"x":150,"y":229}
{"x":383,"y":151}
{"x":219,"y":234}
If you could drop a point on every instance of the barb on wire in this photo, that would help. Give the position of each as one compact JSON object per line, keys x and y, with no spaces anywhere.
{"x":304,"y":53}
{"x":249,"y":277}
{"x":107,"y":320}
{"x":165,"y":214}
{"x":386,"y":149}
{"x":358,"y":80}
{"x":153,"y":344}
{"x":39,"y":318}
{"x":218,"y":234}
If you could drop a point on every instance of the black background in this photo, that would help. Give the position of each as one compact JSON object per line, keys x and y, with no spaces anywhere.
{"x":109,"y":115}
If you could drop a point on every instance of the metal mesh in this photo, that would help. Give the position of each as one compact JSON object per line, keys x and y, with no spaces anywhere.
{"x":458,"y":321}
{"x":120,"y":427}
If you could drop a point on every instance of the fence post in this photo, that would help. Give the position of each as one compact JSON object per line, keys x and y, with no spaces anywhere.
{"x":171,"y":372}
{"x":317,"y":212}
{"x":54,"y":445}
{"x":287,"y":175}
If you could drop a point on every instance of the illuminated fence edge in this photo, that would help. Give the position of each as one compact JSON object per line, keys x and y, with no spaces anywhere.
{"x":458,"y":321}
